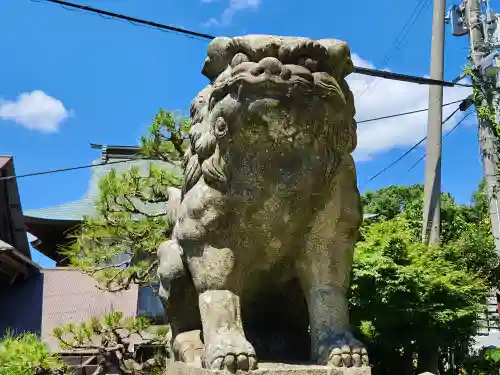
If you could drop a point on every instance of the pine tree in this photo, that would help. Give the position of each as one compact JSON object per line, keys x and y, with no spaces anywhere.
{"x":118,"y":246}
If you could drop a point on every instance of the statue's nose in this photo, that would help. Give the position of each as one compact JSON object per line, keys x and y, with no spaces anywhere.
{"x":271,"y":65}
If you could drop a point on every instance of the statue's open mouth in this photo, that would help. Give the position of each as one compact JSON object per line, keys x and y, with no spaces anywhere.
{"x":272,"y":78}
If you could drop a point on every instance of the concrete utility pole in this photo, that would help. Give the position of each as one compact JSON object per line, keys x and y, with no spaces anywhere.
{"x":431,"y":226}
{"x":432,"y":187}
{"x":468,"y":18}
{"x":488,"y":143}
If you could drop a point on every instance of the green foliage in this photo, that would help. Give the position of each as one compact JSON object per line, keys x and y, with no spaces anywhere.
{"x":118,"y":246}
{"x":111,"y":335}
{"x":26,"y":355}
{"x":404,"y":294}
{"x":482,"y":94}
{"x":389,"y":202}
{"x":486,"y":362}
{"x":168,"y":136}
{"x":429,"y":294}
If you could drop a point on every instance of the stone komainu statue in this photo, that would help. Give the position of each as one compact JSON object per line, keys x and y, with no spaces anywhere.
{"x":266,"y":221}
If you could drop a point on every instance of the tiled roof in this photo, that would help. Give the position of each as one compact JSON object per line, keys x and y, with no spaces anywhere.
{"x":75,"y":211}
{"x":71,"y":296}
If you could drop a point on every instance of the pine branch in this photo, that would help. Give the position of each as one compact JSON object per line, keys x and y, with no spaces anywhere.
{"x":118,"y":265}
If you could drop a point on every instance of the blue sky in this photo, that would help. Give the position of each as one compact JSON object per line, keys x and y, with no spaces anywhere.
{"x":70,"y":78}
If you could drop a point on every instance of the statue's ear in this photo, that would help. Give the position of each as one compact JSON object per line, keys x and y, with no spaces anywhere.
{"x":217,"y":57}
{"x":339,"y":55}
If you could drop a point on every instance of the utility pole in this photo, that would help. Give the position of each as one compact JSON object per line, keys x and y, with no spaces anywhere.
{"x":482,"y":56}
{"x":431,"y":226}
{"x":432,"y":186}
{"x":469,"y":18}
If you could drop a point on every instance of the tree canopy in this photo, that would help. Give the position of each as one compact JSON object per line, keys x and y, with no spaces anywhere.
{"x":406,"y":296}
{"x":118,"y":246}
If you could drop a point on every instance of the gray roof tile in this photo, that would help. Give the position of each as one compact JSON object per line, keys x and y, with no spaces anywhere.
{"x":75,"y":211}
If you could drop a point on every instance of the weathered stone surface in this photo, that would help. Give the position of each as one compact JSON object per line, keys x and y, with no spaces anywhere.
{"x":179,"y":368}
{"x":265,"y":223}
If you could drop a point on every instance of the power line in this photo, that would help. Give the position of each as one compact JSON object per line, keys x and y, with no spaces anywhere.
{"x":407,"y":78}
{"x":190,"y":33}
{"x":399,"y":39}
{"x":128,"y":18}
{"x":63,"y":170}
{"x":407,"y":152}
{"x":444,"y":137}
{"x":127,"y":160}
{"x":406,"y":113}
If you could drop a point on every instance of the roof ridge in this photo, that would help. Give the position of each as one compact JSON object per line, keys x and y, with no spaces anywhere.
{"x":65,"y":268}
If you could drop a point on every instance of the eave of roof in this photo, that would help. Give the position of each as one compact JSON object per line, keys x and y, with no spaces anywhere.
{"x":12,"y":200}
{"x":85,"y":207}
{"x":13,"y":263}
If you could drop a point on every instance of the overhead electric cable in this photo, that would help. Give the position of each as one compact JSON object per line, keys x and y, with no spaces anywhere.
{"x":407,"y":78}
{"x":407,"y":152}
{"x":156,"y":25}
{"x":128,"y":18}
{"x":126,"y":160}
{"x":63,"y":170}
{"x":398,"y":41}
{"x":444,"y":137}
{"x":405,"y":113}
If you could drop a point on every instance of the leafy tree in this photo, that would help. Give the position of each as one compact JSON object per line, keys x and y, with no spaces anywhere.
{"x":26,"y":354}
{"x":407,"y":298}
{"x":112,"y":335}
{"x":486,"y":362}
{"x":118,"y":246}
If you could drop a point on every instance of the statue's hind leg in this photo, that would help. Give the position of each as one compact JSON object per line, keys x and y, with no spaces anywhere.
{"x":179,"y":298}
{"x":324,"y":269}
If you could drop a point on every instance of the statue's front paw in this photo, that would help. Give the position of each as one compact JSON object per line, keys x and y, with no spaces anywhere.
{"x":230,"y":351}
{"x":348,"y":356}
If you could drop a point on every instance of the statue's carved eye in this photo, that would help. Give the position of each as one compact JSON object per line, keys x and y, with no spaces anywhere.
{"x":238,"y":59}
{"x":308,"y":63}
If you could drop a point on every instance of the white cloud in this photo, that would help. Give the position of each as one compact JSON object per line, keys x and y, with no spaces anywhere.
{"x":35,"y":111}
{"x":234,"y":7}
{"x":385,"y":97}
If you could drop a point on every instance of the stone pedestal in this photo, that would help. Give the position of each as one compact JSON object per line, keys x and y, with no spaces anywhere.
{"x":179,"y":368}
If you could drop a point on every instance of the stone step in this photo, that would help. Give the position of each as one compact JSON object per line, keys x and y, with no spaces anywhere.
{"x":179,"y":368}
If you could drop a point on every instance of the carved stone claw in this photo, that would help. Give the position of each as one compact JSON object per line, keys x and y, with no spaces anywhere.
{"x":348,"y":357}
{"x":356,"y":357}
{"x":232,"y":352}
{"x":232,"y":363}
{"x":364,"y":357}
{"x":335,"y":358}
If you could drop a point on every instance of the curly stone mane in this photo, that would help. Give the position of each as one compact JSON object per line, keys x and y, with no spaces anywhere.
{"x":204,"y":157}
